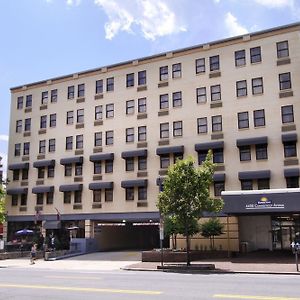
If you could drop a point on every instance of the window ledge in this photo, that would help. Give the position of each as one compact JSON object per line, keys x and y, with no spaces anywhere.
{"x":80,"y":125}
{"x":288,"y":127}
{"x":41,"y":156}
{"x":142,"y":203}
{"x":23,"y":208}
{"x":98,"y":96}
{"x":27,"y":133}
{"x":214,"y":74}
{"x":142,"y":88}
{"x":163,"y":172}
{"x":98,"y":122}
{"x":291,"y":161}
{"x":80,"y":100}
{"x":78,"y":151}
{"x":24,"y":183}
{"x":142,"y":145}
{"x":42,"y":131}
{"x":97,"y":149}
{"x":25,"y":158}
{"x":286,"y":93}
{"x":28,"y":109}
{"x":141,"y":116}
{"x":39,"y":182}
{"x":43,"y":106}
{"x":163,"y":142}
{"x":77,"y":206}
{"x":217,"y":136}
{"x":142,"y":174}
{"x":163,"y":84}
{"x":283,"y":61}
{"x":78,"y":179}
{"x":215,"y":104}
{"x":97,"y":177}
{"x":163,"y":112}
{"x":96,"y":205}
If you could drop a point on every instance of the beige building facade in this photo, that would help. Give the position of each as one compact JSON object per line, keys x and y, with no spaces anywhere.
{"x":88,"y":150}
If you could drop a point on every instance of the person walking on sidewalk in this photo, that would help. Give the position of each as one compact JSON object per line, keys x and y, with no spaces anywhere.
{"x":33,"y":254}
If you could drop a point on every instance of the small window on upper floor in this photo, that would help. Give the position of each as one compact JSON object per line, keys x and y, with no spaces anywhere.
{"x":282,"y":49}
{"x":110,"y":84}
{"x":19,"y":126}
{"x":214,"y":63}
{"x":28,"y":101}
{"x":42,"y":146}
{"x":109,"y":137}
{"x":287,"y":114}
{"x":70,"y":117}
{"x":27,"y":124}
{"x":98,"y":113}
{"x":201,"y":95}
{"x":44,"y":98}
{"x":129,"y":135}
{"x":20,"y":102}
{"x":216,"y":123}
{"x":241,"y":88}
{"x":163,"y":73}
{"x":176,"y":70}
{"x":79,"y":141}
{"x":71,"y":92}
{"x":43,"y":122}
{"x":80,"y":92}
{"x":259,"y":118}
{"x":51,"y":147}
{"x":255,"y":55}
{"x":257,"y":86}
{"x":80,"y":116}
{"x":129,"y":107}
{"x":130,"y":80}
{"x":110,"y":110}
{"x":243,"y":120}
{"x":164,"y":101}
{"x":142,"y":105}
{"x":54,"y":95}
{"x":177,"y":128}
{"x":164,"y":130}
{"x":99,"y":86}
{"x":285,"y":82}
{"x":53,"y":120}
{"x":200,"y":65}
{"x":98,"y":139}
{"x":240,"y":58}
{"x":202,"y":125}
{"x":215,"y":92}
{"x":142,"y":78}
{"x":177,"y":99}
{"x":142,"y":133}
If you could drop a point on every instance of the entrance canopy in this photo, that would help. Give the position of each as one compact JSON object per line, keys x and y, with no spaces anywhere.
{"x":272,"y":201}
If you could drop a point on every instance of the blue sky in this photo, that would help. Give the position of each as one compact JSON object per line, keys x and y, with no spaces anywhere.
{"x":41,"y":39}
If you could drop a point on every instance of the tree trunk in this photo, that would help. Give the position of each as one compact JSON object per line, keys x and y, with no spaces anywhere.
{"x":175,"y":240}
{"x":188,"y":260}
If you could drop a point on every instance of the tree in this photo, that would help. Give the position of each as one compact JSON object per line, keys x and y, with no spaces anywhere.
{"x":186,"y":194}
{"x":210,"y":229}
{"x":2,"y":204}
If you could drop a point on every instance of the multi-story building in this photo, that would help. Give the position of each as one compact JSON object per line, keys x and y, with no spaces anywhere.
{"x":88,"y":149}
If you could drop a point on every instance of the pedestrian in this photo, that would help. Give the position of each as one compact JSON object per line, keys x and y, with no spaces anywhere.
{"x":33,"y":254}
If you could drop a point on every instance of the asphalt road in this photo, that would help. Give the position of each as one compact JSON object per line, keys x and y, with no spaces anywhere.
{"x":24,"y":283}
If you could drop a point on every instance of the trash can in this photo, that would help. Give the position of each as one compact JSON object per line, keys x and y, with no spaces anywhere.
{"x":244,"y":247}
{"x":47,"y":254}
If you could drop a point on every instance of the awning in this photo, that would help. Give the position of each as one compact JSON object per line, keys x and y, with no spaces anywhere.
{"x":255,"y":174}
{"x":71,"y":160}
{"x":219,"y":177}
{"x":101,"y":185}
{"x":16,"y":191}
{"x":42,"y":189}
{"x":132,"y":183}
{"x":18,"y":166}
{"x":135,"y":153}
{"x":291,"y":137}
{"x":291,"y":172}
{"x":52,"y":225}
{"x":100,"y":157}
{"x":261,"y":201}
{"x":252,"y":141}
{"x":168,"y":150}
{"x":208,"y":146}
{"x":44,"y":163}
{"x":70,"y":187}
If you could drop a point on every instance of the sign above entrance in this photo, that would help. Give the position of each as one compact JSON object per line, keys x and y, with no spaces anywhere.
{"x":264,"y":203}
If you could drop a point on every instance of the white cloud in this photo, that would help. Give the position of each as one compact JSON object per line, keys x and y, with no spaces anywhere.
{"x":276,"y":3}
{"x":232,"y":25}
{"x":73,"y":2}
{"x":153,"y":18}
{"x":3,"y":137}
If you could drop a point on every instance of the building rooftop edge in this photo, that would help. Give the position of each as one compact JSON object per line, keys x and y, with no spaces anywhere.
{"x":163,"y":54}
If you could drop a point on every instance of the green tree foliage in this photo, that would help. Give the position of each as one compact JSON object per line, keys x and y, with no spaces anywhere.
{"x":210,"y":229}
{"x":186,"y":194}
{"x":2,"y":204}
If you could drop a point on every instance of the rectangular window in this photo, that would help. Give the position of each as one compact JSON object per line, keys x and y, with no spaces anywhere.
{"x":110,"y":84}
{"x":26,"y":148}
{"x":129,"y":107}
{"x":23,"y":199}
{"x":99,"y":86}
{"x":202,"y":125}
{"x":41,"y":172}
{"x":80,"y":92}
{"x":164,"y":161}
{"x":215,"y":92}
{"x":142,"y":193}
{"x":142,"y":105}
{"x":24,"y":174}
{"x":79,"y":141}
{"x":77,"y":196}
{"x":108,"y":195}
{"x":246,"y":184}
{"x":53,"y":120}
{"x":67,"y":197}
{"x":98,"y":112}
{"x":97,"y":167}
{"x":243,"y":120}
{"x":241,"y":88}
{"x":177,"y":128}
{"x":176,"y":70}
{"x":129,"y":135}
{"x":17,"y":149}
{"x":177,"y":156}
{"x":216,"y":123}
{"x":240,"y":58}
{"x":200,"y":65}
{"x":164,"y":101}
{"x":285,"y":81}
{"x":129,"y":164}
{"x":290,"y":149}
{"x":142,"y":133}
{"x":129,"y":193}
{"x":44,"y":98}
{"x":218,"y":188}
{"x":245,"y":153}
{"x":80,"y":115}
{"x":50,"y":171}
{"x":69,"y":143}
{"x":54,"y":96}
{"x":130,"y":80}
{"x":20,"y":102}
{"x":68,"y":170}
{"x":201,"y":95}
{"x":282,"y":49}
{"x":28,"y":101}
{"x":39,"y":199}
{"x":19,"y":126}
{"x":255,"y":55}
{"x":70,"y":117}
{"x":109,"y":164}
{"x":218,"y":157}
{"x":49,"y":199}
{"x":98,"y":139}
{"x":292,"y":182}
{"x":97,"y":196}
{"x":177,"y":99}
{"x":142,"y":78}
{"x":257,"y":86}
{"x":71,"y":92}
{"x":109,"y":137}
{"x":163,"y":73}
{"x":259,"y":118}
{"x":287,"y":114}
{"x":261,"y":151}
{"x":110,"y":110}
{"x":51,"y":147}
{"x":214,"y":63}
{"x":78,"y":169}
{"x":142,"y":163}
{"x":164,"y":130}
{"x":43,"y":122}
{"x":27,"y":125}
{"x":14,"y":200}
{"x":263,"y":184}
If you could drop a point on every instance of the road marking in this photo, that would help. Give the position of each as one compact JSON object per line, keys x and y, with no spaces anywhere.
{"x":72,"y":277}
{"x":252,"y":297}
{"x":78,"y":289}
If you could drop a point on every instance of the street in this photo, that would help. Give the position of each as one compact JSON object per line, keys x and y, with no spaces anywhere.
{"x":34,"y":283}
